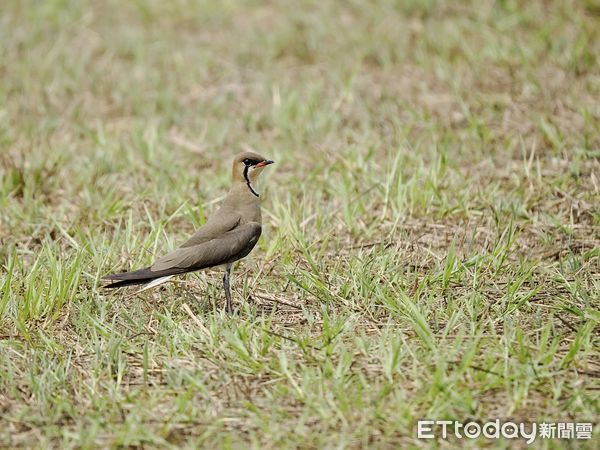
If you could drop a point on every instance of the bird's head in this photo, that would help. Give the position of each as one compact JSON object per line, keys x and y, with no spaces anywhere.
{"x":247,"y":166}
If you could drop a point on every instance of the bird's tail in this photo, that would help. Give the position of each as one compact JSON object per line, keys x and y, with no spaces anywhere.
{"x":141,"y":276}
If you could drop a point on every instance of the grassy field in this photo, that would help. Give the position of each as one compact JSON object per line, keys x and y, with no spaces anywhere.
{"x":431,"y":235}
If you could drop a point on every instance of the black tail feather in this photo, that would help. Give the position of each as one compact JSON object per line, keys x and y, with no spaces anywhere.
{"x":124,"y":283}
{"x":141,"y":276}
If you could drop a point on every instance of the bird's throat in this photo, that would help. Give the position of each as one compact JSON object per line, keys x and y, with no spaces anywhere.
{"x":248,"y":181}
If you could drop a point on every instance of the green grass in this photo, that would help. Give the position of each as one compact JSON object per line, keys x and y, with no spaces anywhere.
{"x":431,"y":238}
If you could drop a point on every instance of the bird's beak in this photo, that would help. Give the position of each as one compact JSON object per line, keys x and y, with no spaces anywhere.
{"x":264,"y":163}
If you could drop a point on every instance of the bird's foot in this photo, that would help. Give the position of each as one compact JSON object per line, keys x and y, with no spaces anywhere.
{"x":229,"y":309}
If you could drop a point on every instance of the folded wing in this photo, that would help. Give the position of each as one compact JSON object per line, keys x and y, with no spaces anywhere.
{"x":227,"y":247}
{"x":215,"y":227}
{"x":222,"y":249}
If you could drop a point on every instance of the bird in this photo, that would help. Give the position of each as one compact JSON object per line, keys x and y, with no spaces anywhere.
{"x":226,"y":237}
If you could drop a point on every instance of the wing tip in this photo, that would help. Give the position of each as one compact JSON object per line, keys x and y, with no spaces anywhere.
{"x":128,"y":278}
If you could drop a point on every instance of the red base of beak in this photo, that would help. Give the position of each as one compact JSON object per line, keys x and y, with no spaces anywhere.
{"x":264,"y":163}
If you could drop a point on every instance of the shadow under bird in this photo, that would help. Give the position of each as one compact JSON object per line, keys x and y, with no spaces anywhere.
{"x":229,"y":235}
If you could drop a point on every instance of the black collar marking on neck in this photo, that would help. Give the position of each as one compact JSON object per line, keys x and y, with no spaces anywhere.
{"x":248,"y":181}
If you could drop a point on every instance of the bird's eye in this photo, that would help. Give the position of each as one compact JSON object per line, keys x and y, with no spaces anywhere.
{"x":247,"y":162}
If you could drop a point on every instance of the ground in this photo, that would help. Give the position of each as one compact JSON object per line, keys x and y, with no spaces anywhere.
{"x":431,"y":227}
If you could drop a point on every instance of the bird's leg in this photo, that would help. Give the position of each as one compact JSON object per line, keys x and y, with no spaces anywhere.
{"x":229,"y":305}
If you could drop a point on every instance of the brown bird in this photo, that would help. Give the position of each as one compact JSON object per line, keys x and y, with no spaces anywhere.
{"x":226,"y":237}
